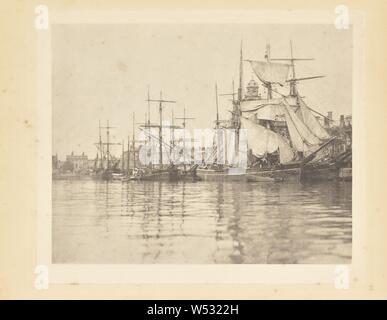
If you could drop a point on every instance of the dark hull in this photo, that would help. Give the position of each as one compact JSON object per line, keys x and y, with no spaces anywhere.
{"x":103,"y":175}
{"x":275,"y":175}
{"x":164,"y":175}
{"x":338,"y":169}
{"x":319,"y":174}
{"x":220,"y":175}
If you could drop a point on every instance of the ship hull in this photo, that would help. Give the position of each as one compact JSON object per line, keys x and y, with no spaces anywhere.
{"x":164,"y":175}
{"x":219,"y":175}
{"x":152,"y":176}
{"x":326,"y":173}
{"x":103,"y":175}
{"x":275,"y":175}
{"x":323,"y":172}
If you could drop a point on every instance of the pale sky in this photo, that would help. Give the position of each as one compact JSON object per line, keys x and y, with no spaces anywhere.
{"x":101,"y":72}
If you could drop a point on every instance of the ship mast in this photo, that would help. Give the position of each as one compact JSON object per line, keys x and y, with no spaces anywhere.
{"x":268,"y":84}
{"x":147,"y":124}
{"x":161,"y":101}
{"x":172,"y":127}
{"x":293,"y":87}
{"x":149,"y":116}
{"x":172,"y":135}
{"x":122,"y":162}
{"x":240,"y":89}
{"x":217,"y":124}
{"x":234,"y":114}
{"x":107,"y":143}
{"x":267,"y":53}
{"x":230,"y":94}
{"x":184,"y":128}
{"x":217,"y":106}
{"x":128,"y":155}
{"x":100,"y":145}
{"x":238,"y":104}
{"x":133,"y":144}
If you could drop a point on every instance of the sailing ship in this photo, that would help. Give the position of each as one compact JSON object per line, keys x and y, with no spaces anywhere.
{"x":286,"y":142}
{"x":329,"y":164}
{"x":216,"y":166}
{"x":106,"y":166}
{"x":163,"y":169}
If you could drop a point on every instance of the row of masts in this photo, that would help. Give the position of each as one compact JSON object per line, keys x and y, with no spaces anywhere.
{"x":105,"y":153}
{"x":161,"y":103}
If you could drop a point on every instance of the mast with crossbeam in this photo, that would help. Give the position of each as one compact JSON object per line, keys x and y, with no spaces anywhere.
{"x":184,"y":124}
{"x":107,"y":144}
{"x":160,"y":102}
{"x":293,"y":81}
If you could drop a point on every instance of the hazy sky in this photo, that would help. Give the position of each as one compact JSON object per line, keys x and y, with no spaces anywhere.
{"x":101,"y":72}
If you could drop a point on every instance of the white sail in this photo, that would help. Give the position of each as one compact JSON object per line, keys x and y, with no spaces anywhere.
{"x":310,"y":121}
{"x":262,"y":141}
{"x":302,"y":138}
{"x":269,"y":72}
{"x":306,"y":134}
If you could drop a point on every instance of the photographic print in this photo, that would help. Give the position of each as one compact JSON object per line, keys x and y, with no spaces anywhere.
{"x":201,"y":144}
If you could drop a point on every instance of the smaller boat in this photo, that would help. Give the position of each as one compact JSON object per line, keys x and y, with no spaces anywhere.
{"x":172,"y":173}
{"x":190,"y":174}
{"x":147,"y":175}
{"x":219,"y":173}
{"x":105,"y":166}
{"x":251,"y":177}
{"x":117,"y":176}
{"x":345,"y":174}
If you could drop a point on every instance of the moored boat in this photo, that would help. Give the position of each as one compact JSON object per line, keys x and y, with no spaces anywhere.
{"x":221,"y":174}
{"x":105,"y":166}
{"x":142,"y":175}
{"x":280,"y":130}
{"x":172,"y":173}
{"x":329,"y":167}
{"x":274,"y":175}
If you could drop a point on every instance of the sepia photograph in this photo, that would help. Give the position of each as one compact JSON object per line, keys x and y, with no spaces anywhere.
{"x":193,"y":158}
{"x":201,"y":144}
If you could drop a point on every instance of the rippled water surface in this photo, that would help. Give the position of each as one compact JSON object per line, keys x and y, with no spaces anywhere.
{"x":201,"y":222}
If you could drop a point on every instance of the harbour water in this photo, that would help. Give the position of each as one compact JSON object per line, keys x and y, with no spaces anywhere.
{"x":201,"y":222}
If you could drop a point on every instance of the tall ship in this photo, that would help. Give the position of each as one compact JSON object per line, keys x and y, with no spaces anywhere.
{"x":106,"y":165}
{"x":285,"y":139}
{"x":158,"y":161}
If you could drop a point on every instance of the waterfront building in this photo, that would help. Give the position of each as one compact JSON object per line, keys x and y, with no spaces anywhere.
{"x":77,"y":162}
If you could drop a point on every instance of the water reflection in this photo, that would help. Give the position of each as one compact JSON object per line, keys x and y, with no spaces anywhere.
{"x":202,"y":222}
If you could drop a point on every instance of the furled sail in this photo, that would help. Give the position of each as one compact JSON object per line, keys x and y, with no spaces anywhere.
{"x":272,"y":110}
{"x":252,"y":105}
{"x":310,"y":121}
{"x":262,"y":141}
{"x":269,"y":72}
